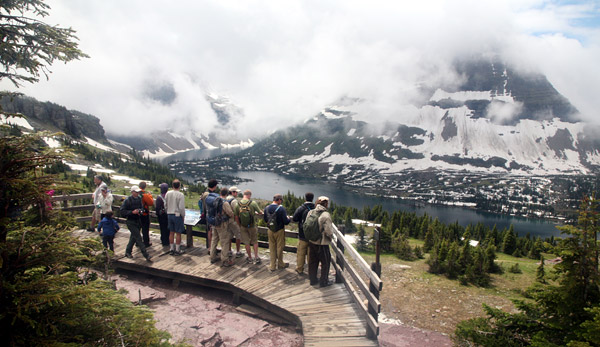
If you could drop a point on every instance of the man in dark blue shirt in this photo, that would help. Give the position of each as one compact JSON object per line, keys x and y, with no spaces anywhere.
{"x":276,"y":218}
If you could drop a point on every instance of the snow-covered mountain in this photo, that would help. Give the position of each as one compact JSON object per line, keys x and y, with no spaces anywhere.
{"x":496,"y":121}
{"x":160,"y":144}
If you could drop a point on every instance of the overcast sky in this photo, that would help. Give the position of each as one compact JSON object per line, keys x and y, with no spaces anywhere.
{"x":282,"y":61}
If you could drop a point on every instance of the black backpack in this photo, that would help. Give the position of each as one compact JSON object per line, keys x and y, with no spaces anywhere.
{"x":272,"y":220}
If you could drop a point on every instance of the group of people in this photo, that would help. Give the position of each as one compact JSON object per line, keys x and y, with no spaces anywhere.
{"x":227,"y":216}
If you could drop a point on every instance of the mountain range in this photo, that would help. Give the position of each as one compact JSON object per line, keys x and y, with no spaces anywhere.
{"x":497,"y":120}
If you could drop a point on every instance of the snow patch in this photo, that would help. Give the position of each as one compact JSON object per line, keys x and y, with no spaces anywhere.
{"x":351,"y":132}
{"x":99,"y":145}
{"x":461,"y":96}
{"x":19,"y":121}
{"x":52,"y":142}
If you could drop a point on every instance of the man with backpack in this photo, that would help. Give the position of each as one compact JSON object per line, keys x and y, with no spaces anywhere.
{"x":234,"y":227}
{"x":276,"y":218}
{"x":219,"y":211}
{"x":212,"y":187}
{"x":244,"y":212}
{"x":147,"y":202}
{"x":132,"y":209}
{"x":299,"y":217}
{"x":318,"y":230}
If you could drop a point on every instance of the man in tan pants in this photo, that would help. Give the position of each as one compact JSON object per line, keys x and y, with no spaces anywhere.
{"x":222,"y":233}
{"x":276,"y":218}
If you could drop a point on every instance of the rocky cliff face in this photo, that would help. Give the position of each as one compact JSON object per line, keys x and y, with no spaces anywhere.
{"x":49,"y":116}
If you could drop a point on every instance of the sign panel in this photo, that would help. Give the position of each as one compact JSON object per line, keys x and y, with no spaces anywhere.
{"x":192,"y":217}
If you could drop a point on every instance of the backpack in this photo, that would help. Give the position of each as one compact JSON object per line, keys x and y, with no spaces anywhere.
{"x":272,"y":220}
{"x":311,"y":228}
{"x":214,"y":208}
{"x":163,"y":209}
{"x":246,"y":218}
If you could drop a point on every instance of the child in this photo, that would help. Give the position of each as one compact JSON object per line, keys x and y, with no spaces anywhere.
{"x":110,"y":227}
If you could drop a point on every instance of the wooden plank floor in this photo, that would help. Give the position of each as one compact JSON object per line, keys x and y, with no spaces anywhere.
{"x":326,"y":316}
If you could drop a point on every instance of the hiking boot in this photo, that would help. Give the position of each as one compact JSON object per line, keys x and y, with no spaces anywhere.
{"x":285,"y":265}
{"x":90,"y":229}
{"x":179,"y":252}
{"x":239,"y":255}
{"x":212,"y":261}
{"x":128,"y":255}
{"x":148,"y":258}
{"x":257,"y":260}
{"x":249,"y":261}
{"x":227,"y":264}
{"x":172,"y":252}
{"x":325,"y":284}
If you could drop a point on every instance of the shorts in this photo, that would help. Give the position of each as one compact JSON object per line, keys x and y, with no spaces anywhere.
{"x":249,"y":235}
{"x":175,"y":223}
{"x":234,"y":229}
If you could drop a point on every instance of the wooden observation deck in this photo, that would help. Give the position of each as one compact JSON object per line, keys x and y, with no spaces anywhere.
{"x":342,"y":314}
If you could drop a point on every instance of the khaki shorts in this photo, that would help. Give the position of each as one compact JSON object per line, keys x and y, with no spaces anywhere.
{"x":234,"y":229}
{"x":249,"y":235}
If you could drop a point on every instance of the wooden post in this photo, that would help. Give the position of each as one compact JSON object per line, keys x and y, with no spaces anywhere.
{"x":341,"y":262}
{"x":189,"y":236}
{"x":376,"y":267}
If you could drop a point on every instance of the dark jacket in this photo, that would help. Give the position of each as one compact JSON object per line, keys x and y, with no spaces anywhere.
{"x":300,"y":216}
{"x":159,"y":205}
{"x":281,"y":217}
{"x":129,"y":205}
{"x":109,"y":227}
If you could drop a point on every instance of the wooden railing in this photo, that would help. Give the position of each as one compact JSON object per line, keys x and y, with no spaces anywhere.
{"x":346,"y":272}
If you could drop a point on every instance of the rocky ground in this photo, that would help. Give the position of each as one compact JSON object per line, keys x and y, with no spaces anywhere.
{"x":202,"y":316}
{"x":207,"y":317}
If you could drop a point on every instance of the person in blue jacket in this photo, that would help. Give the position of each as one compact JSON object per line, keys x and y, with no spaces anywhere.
{"x":107,"y":228}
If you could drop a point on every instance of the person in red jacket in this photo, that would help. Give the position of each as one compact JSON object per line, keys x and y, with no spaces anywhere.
{"x":147,"y":202}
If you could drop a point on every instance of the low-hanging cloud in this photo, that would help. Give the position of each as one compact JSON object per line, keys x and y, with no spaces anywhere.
{"x":153,"y":63}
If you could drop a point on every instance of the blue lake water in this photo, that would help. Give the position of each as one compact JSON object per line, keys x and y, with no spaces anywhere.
{"x":266,"y":184}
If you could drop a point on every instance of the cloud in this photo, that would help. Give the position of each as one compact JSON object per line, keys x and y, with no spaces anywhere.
{"x":152,"y":63}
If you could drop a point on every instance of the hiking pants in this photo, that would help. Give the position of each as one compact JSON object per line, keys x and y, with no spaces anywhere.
{"x":318,"y":254}
{"x":135,"y":237}
{"x":221,"y":235}
{"x":276,"y":245}
{"x":301,"y":255}
{"x":145,"y":229}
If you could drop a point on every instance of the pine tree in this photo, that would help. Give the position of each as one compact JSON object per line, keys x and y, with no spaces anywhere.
{"x":452,"y":266}
{"x":361,"y":243}
{"x":429,"y":241}
{"x":509,"y":243}
{"x":540,"y":273}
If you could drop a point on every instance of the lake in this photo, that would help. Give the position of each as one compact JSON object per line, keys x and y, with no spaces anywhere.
{"x":266,"y":184}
